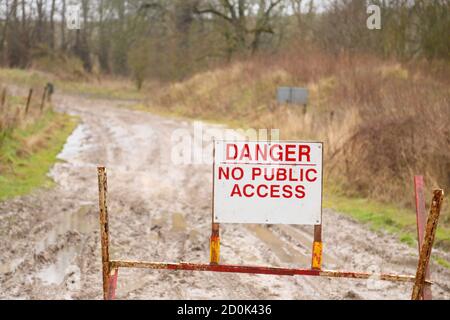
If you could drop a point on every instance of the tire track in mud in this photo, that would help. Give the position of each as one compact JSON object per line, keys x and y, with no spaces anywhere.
{"x":161,"y":212}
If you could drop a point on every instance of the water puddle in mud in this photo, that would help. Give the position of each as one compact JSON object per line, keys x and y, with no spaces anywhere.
{"x":56,"y":272}
{"x":10,"y":266}
{"x":306,"y":241}
{"x":178,"y":222}
{"x":284,"y":253}
{"x":73,"y":156}
{"x":80,"y":221}
{"x":75,"y":144}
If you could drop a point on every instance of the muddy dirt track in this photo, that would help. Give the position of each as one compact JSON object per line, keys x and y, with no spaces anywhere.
{"x":50,"y":247}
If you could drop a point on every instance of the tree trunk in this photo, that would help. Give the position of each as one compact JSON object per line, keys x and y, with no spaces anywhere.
{"x":52,"y":26}
{"x":63,"y":26}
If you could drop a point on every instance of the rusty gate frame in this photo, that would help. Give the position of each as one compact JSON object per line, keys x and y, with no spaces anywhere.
{"x":422,"y":284}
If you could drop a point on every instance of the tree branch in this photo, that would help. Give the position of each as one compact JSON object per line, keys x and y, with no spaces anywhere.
{"x":212,"y":11}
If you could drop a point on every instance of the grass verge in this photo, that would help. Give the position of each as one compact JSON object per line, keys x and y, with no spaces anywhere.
{"x":27,"y":155}
{"x":118,"y":89}
{"x":381,"y":217}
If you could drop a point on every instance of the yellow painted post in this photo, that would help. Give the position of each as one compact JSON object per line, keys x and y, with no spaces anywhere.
{"x":316,"y":262}
{"x":427,"y":245}
{"x":215,"y":244}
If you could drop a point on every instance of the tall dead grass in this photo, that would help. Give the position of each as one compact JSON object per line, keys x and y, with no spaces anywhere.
{"x":383,"y":122}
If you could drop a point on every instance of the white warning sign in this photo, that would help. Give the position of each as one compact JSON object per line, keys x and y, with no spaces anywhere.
{"x":268,"y":182}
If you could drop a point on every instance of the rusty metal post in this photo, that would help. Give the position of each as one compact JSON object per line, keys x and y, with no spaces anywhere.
{"x":421,"y":218}
{"x":27,"y":108}
{"x":104,"y":229}
{"x":113,"y":284}
{"x":215,"y":244}
{"x":43,"y":99}
{"x":425,"y":252}
{"x":316,"y":262}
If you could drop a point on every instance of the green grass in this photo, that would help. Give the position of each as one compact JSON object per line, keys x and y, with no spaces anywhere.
{"x":23,"y":167}
{"x":442,"y":262}
{"x":115,"y":89}
{"x":379,"y":217}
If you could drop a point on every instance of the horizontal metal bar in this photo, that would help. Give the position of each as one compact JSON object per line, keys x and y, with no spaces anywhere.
{"x":261,"y":270}
{"x":368,"y":275}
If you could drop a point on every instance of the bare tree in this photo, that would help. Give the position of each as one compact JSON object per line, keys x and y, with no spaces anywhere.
{"x":245,"y":21}
{"x":184,"y":36}
{"x":63,"y":26}
{"x":52,"y":25}
{"x":81,"y":47}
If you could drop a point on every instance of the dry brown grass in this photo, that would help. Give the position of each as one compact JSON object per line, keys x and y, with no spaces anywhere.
{"x":382,"y":121}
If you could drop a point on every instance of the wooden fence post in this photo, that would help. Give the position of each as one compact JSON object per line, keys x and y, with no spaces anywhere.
{"x":3,"y":99}
{"x":27,"y":108}
{"x":43,"y":99}
{"x":425,"y":252}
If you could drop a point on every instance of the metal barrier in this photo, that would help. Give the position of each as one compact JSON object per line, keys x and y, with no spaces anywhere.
{"x":421,"y":289}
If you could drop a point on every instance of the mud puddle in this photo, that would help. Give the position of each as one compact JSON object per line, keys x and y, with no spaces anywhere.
{"x":81,"y":221}
{"x":56,"y":272}
{"x":64,"y":259}
{"x":287,"y":254}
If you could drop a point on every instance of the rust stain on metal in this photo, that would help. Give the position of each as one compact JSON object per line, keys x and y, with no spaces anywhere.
{"x":260,"y":270}
{"x":425,"y":251}
{"x":367,"y":275}
{"x":113,"y":284}
{"x":215,"y":244}
{"x":104,"y":228}
{"x":421,"y":219}
{"x":110,"y":279}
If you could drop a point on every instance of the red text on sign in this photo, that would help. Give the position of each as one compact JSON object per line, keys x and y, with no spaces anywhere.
{"x":266,"y":152}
